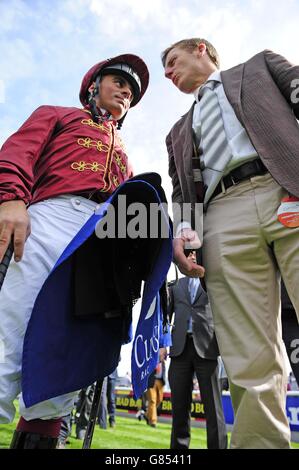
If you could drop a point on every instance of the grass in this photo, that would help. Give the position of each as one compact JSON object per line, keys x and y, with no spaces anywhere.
{"x":129,"y":433}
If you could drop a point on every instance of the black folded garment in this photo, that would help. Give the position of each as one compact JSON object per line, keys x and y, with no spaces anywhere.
{"x":108,"y":272}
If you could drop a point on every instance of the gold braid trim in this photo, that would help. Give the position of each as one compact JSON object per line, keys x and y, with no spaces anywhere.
{"x":115,"y":180}
{"x":120,"y":163}
{"x":82,"y":166}
{"x":87,"y":142}
{"x":100,"y":126}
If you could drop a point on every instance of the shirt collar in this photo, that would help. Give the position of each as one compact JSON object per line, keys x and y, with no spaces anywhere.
{"x":194,"y":281}
{"x":216,"y":75}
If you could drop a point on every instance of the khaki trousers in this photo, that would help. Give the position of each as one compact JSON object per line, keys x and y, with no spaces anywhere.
{"x":245,"y":247}
{"x":154,"y":397}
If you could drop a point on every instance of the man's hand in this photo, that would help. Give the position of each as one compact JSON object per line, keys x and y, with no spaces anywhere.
{"x":14,"y":223}
{"x":189,"y":239}
{"x":162,"y":354}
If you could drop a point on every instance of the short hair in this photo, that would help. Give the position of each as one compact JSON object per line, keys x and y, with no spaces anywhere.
{"x":190,"y":45}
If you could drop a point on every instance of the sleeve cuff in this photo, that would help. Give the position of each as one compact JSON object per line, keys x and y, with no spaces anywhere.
{"x":13,"y":197}
{"x":181,"y":227}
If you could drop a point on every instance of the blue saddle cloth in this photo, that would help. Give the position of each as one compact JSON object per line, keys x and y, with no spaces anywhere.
{"x":62,"y":353}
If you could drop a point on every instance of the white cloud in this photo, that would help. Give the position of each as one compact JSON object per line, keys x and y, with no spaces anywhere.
{"x":12,"y":15}
{"x":7,"y":125}
{"x":133,"y":12}
{"x":2,"y":91}
{"x":18,"y":61}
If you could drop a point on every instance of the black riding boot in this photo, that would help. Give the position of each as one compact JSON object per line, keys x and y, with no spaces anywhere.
{"x":30,"y":440}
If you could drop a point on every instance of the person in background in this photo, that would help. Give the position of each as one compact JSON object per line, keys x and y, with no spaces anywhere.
{"x":111,"y":404}
{"x":107,"y":401}
{"x":102,"y":415}
{"x":78,"y":416}
{"x":65,"y":431}
{"x":141,"y":412}
{"x":154,"y":393}
{"x":194,"y":350}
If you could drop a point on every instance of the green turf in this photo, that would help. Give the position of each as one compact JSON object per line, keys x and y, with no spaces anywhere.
{"x":129,"y":433}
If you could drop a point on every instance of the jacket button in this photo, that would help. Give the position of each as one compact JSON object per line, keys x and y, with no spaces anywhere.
{"x":77,"y":202}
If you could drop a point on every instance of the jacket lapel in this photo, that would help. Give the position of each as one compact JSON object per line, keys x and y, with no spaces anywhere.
{"x":185,"y":135}
{"x":185,"y":288}
{"x":199,"y":292}
{"x":232,"y":84}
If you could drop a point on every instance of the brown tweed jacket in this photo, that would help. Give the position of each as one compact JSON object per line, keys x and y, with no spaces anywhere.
{"x":260,"y":92}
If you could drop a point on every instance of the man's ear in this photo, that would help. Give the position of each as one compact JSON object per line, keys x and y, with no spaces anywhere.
{"x":202,"y":48}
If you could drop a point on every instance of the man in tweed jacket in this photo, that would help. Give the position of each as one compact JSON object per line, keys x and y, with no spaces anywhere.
{"x":241,"y":162}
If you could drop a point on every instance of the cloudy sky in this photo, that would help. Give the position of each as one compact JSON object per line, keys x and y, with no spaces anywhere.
{"x":47,"y":46}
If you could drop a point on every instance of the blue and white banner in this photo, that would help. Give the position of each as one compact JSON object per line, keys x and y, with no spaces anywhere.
{"x":149,"y":337}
